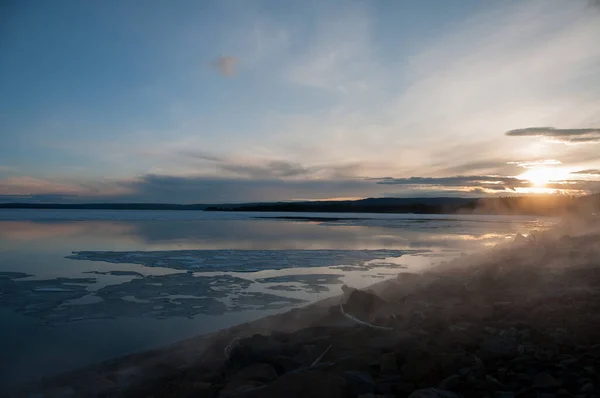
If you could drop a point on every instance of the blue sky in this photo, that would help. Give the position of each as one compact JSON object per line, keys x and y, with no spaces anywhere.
{"x":227,"y":101}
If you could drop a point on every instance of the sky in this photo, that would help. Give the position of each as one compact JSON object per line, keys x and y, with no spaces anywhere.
{"x":250,"y":100}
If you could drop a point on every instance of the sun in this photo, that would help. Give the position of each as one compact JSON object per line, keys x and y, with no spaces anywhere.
{"x":540,"y":176}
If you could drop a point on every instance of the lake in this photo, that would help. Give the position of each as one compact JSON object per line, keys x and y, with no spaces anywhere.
{"x":82,"y":286}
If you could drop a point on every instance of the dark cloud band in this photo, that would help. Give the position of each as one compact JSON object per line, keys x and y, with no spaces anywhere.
{"x":588,"y":135}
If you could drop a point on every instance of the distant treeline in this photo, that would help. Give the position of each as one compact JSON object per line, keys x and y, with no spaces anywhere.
{"x":526,"y":205}
{"x":103,"y":206}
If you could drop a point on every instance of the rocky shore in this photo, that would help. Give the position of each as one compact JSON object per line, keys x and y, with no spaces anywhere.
{"x":518,"y":320}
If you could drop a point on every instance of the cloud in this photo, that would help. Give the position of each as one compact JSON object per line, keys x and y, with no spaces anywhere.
{"x":574,"y":136}
{"x":200,"y":155}
{"x":530,"y":164}
{"x":477,"y":166}
{"x":176,"y":189}
{"x":273,"y":169}
{"x":587,"y":172}
{"x":226,"y":65}
{"x":493,"y":183}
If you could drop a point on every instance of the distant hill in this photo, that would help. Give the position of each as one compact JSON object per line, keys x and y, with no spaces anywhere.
{"x":104,"y":206}
{"x":526,"y":205}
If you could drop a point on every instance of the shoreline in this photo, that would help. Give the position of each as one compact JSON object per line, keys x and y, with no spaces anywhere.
{"x":124,"y":376}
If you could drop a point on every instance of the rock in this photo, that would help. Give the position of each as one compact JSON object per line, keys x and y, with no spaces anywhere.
{"x":520,"y":240}
{"x":351,"y":363}
{"x":420,"y":366}
{"x":494,"y":383}
{"x":239,"y":387}
{"x":254,"y":349}
{"x":261,"y":372}
{"x":433,"y":393}
{"x":366,"y":305}
{"x":308,"y":354}
{"x":544,"y":381}
{"x":313,"y":384}
{"x":360,"y":382}
{"x":450,"y":383}
{"x":283,"y":364}
{"x":392,"y":341}
{"x":388,"y":364}
{"x":394,"y":385}
{"x":497,"y":347}
{"x":587,"y":387}
{"x":504,"y":394}
{"x":195,"y":389}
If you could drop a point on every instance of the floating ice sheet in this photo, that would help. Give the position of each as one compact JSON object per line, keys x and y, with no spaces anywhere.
{"x":241,"y":260}
{"x":310,"y":283}
{"x":183,"y":294}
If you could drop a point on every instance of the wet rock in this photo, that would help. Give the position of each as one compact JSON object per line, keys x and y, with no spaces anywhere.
{"x":544,"y":381}
{"x":388,"y":364}
{"x":360,"y":382}
{"x":313,"y":384}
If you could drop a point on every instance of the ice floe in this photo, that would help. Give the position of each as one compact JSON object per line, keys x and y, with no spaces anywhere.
{"x":241,"y":260}
{"x":182,"y":294}
{"x":188,"y":293}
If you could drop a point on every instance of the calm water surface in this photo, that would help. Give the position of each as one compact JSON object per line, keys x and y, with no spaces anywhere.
{"x":149,"y":278}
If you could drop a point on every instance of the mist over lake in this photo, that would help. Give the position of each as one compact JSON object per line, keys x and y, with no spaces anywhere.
{"x":79,"y":287}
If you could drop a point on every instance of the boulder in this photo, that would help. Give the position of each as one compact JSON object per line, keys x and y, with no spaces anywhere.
{"x":433,"y":393}
{"x":388,"y":364}
{"x":366,"y":306}
{"x":545,"y":381}
{"x":254,"y":349}
{"x":195,"y":389}
{"x":314,"y":384}
{"x":261,"y":372}
{"x":360,"y":382}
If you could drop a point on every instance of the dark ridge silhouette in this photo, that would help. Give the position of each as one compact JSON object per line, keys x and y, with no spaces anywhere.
{"x":525,"y":205}
{"x":550,"y":205}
